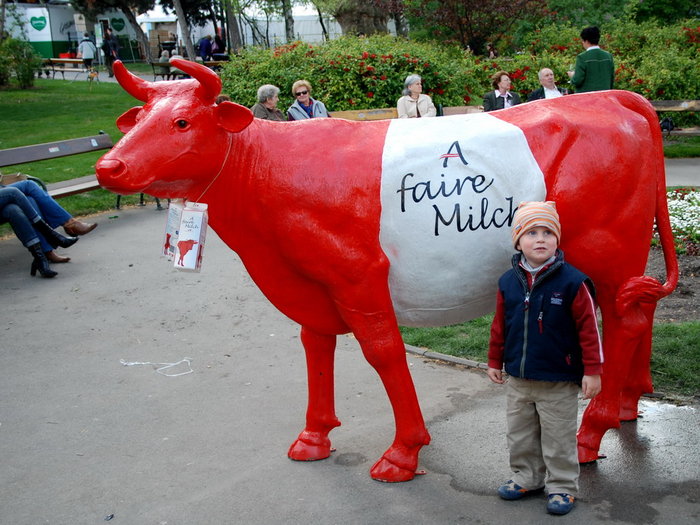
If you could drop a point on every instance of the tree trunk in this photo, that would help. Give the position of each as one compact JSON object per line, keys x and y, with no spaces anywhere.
{"x":288,"y":20}
{"x":2,"y":20}
{"x":184,"y":29}
{"x":400,"y":23}
{"x":233,"y":31}
{"x":326,"y":36}
{"x":356,"y":17}
{"x":140,"y":35}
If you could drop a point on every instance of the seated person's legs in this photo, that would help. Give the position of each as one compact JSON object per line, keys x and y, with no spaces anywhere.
{"x":51,"y":211}
{"x":21,"y":225}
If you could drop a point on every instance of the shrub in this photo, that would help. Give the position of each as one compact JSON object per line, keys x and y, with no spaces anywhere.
{"x":684,"y":210}
{"x":18,"y":57}
{"x":658,"y":62}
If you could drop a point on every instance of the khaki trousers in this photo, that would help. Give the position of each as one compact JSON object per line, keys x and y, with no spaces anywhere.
{"x":541,"y":418}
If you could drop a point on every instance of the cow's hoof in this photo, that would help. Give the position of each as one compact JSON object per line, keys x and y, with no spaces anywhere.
{"x":629,"y":414}
{"x":384,"y":470}
{"x":310,"y":446}
{"x":587,"y":455}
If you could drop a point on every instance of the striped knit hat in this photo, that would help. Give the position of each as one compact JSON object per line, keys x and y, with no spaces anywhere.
{"x":531,"y":214}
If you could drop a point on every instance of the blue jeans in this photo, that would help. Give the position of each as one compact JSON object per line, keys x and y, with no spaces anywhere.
{"x":47,"y":207}
{"x":19,"y":212}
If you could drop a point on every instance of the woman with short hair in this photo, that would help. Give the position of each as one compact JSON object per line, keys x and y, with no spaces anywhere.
{"x":304,"y":106}
{"x":413,"y":103}
{"x":266,"y":108}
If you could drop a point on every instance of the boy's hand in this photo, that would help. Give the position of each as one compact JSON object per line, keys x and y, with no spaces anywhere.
{"x":590,"y":386}
{"x":495,"y":375}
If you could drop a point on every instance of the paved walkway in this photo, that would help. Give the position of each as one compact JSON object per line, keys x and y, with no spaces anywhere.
{"x":83,"y":437}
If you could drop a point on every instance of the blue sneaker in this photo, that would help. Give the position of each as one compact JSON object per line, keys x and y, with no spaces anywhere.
{"x":512,"y":491}
{"x":560,"y":504}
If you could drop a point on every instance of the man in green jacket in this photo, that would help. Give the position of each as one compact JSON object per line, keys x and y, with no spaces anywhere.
{"x":594,"y":69}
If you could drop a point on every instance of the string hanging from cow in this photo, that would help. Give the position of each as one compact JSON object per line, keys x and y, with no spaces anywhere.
{"x":341,"y":231}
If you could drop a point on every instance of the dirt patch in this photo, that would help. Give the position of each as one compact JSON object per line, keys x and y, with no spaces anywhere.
{"x":684,"y":303}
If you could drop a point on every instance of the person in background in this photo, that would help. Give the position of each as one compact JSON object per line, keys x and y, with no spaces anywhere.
{"x":549,"y":89}
{"x":110,"y":47}
{"x":87,"y":50}
{"x":545,"y":335}
{"x":304,"y":106}
{"x":165,"y":60}
{"x":266,"y":108}
{"x":26,"y":222}
{"x":205,"y":48}
{"x":501,"y":97}
{"x":53,"y":213}
{"x":218,"y":47}
{"x":594,"y":69}
{"x":413,"y":103}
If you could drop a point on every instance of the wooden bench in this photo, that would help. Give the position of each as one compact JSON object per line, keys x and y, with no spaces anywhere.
{"x":163,"y":70}
{"x":366,"y":114}
{"x":389,"y":113}
{"x":662,"y":106}
{"x":70,"y":65}
{"x":62,"y":148}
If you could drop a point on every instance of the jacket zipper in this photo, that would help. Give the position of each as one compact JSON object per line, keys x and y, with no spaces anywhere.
{"x":525,"y":331}
{"x":526,"y":317}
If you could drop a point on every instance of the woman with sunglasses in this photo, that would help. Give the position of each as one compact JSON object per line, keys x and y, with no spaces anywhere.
{"x":413,"y":103}
{"x":304,"y":106}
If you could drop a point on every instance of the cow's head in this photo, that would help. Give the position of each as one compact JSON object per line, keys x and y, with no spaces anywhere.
{"x":178,"y":141}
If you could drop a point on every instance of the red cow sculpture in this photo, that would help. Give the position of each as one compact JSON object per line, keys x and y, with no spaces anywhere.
{"x":349,"y":226}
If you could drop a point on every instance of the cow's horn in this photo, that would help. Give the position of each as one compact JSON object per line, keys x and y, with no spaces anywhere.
{"x":210,"y":83}
{"x":137,"y":87}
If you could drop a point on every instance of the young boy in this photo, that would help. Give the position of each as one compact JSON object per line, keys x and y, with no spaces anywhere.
{"x":545,"y":332}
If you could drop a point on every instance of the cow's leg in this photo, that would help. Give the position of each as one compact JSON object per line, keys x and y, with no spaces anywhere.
{"x":638,"y":380}
{"x":626,"y":375}
{"x":602,"y":413}
{"x":382,"y":346}
{"x":313,"y":443}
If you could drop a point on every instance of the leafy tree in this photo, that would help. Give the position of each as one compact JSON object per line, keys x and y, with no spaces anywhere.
{"x":355,"y":17}
{"x":665,"y":10}
{"x":471,"y":23}
{"x":586,"y":12}
{"x":91,"y":8}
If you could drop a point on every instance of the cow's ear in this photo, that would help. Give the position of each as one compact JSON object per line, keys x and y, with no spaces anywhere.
{"x":128,"y":120}
{"x":233,"y":117}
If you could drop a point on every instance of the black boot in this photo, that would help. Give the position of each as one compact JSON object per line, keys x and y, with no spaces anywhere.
{"x":54,"y":238}
{"x":40,"y":262}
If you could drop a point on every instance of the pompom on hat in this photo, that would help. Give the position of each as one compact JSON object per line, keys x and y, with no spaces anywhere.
{"x":532,"y":214}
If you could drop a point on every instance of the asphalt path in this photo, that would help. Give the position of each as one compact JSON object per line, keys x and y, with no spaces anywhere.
{"x":86,"y":434}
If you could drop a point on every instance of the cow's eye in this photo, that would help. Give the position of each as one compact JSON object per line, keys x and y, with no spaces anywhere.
{"x":182,"y":124}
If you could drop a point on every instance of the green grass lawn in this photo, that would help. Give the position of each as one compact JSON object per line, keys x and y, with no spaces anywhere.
{"x":58,"y":110}
{"x":675,"y":357}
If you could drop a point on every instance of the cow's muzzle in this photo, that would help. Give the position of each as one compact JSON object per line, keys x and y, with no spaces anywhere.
{"x":108,"y":172}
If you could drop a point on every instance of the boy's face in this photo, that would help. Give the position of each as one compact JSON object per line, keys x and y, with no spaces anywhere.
{"x":537,"y":244}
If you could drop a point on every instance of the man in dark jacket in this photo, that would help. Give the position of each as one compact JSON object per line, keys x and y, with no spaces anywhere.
{"x":110,"y":47}
{"x":549,"y":89}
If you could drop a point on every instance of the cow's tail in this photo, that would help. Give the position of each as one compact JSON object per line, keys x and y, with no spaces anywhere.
{"x":644,"y":289}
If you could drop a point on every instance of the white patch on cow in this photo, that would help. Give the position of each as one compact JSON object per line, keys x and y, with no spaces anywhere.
{"x":449,"y":188}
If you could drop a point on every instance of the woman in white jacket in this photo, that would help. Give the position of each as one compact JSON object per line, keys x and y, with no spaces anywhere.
{"x":414,"y":104}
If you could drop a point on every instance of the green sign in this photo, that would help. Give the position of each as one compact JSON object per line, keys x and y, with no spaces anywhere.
{"x":117,"y":24}
{"x":39,"y":22}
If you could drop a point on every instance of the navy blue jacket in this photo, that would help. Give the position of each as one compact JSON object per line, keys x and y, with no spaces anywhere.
{"x":541,"y":337}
